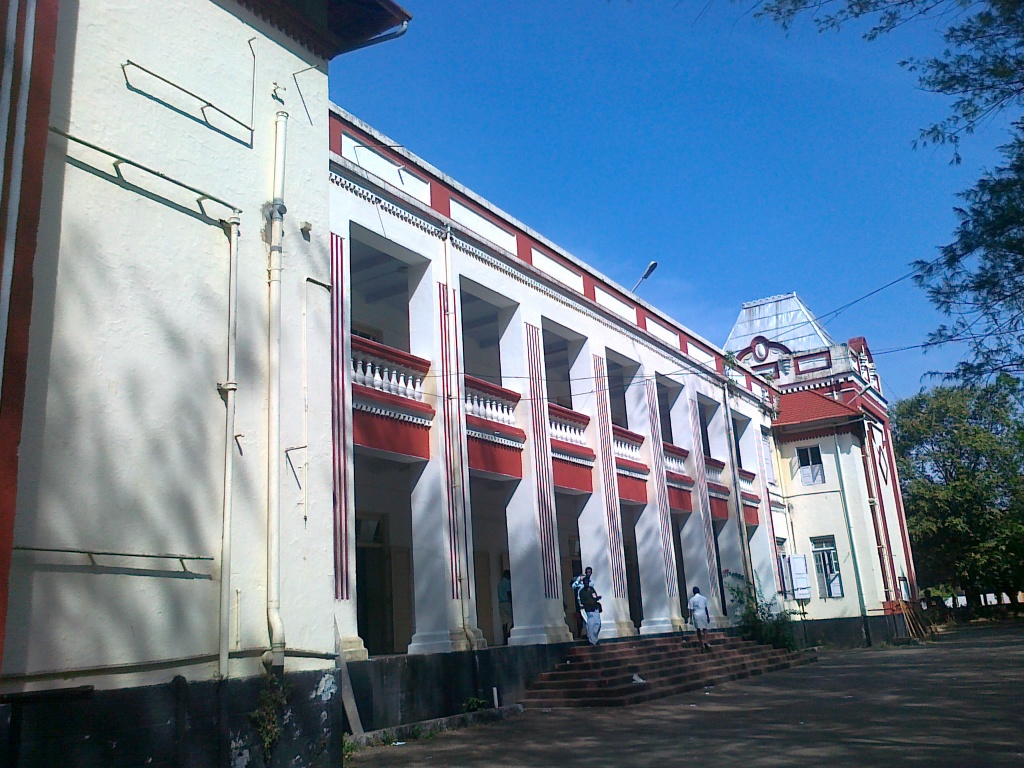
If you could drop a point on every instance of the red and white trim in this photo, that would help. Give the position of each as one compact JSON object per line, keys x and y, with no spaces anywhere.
{"x":30,"y":38}
{"x":543,"y":470}
{"x":606,"y":457}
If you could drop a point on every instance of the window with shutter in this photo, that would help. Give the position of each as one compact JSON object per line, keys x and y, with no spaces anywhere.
{"x":766,"y":454}
{"x":812,"y":471}
{"x":798,"y":572}
{"x":826,"y":567}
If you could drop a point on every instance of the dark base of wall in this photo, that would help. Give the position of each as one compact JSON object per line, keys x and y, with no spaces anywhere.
{"x":177,"y":725}
{"x":394,"y":690}
{"x":850,"y":633}
{"x":210,"y":724}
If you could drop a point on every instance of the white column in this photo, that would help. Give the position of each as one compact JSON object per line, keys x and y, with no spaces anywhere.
{"x":655,"y":552}
{"x":698,"y":536}
{"x":732,"y":560}
{"x":601,"y":543}
{"x":442,"y":534}
{"x":348,"y":644}
{"x":537,"y":604}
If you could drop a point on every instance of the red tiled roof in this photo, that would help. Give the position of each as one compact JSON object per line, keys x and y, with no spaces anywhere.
{"x":807,"y":406}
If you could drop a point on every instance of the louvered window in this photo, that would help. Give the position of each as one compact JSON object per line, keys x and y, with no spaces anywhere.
{"x":769,"y":465}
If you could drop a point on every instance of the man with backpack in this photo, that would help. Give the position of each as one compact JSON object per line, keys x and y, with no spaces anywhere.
{"x":590,"y":601}
{"x":577,"y":587}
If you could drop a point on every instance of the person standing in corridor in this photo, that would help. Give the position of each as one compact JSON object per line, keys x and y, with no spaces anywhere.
{"x":505,"y":604}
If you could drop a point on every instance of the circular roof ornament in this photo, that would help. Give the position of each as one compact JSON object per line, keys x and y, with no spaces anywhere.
{"x":760,"y":349}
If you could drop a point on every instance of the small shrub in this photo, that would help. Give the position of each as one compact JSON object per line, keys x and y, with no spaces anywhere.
{"x":348,"y":748}
{"x":761,"y":620}
{"x":473,"y":704}
{"x":268,"y":717}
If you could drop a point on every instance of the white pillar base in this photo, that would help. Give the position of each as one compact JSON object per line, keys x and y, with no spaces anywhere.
{"x":657,"y":626}
{"x":461,"y":641}
{"x":431,"y":642}
{"x":351,"y":649}
{"x":617,"y":629}
{"x":539,"y":635}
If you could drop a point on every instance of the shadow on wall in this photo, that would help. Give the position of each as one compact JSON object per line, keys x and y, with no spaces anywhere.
{"x":128,"y":346}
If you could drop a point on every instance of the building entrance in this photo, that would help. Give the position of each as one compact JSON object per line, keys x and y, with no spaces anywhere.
{"x":384,"y":573}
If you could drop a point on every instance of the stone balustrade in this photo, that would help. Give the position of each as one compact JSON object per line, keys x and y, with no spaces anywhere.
{"x":627,"y":444}
{"x":713,"y":468}
{"x":675,"y":459}
{"x":489,"y":401}
{"x":566,"y":425}
{"x":747,"y":479}
{"x":388,"y":370}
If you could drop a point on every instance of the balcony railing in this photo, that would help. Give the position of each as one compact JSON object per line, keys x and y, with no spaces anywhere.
{"x":387,"y":370}
{"x":566,"y":425}
{"x":626,"y":444}
{"x":714,"y":469}
{"x":747,"y":479}
{"x":489,"y":401}
{"x":675,"y":458}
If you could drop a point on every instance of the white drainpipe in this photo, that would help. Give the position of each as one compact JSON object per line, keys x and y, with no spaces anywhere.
{"x":228,"y":389}
{"x":277,"y":212}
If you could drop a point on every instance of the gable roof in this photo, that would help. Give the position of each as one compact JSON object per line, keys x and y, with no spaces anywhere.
{"x":784,"y":319}
{"x":808,"y":406}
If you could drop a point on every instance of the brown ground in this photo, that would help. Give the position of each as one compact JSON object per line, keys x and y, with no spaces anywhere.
{"x":955,"y":702}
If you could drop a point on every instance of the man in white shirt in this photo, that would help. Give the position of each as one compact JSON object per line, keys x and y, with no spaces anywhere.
{"x":700,"y":617}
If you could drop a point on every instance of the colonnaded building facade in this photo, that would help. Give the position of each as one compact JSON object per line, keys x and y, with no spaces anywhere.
{"x":278,"y":393}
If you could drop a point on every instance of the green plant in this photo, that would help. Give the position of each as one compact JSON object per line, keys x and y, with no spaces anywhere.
{"x":386,"y":739}
{"x":473,"y":704}
{"x":761,"y":620}
{"x":268,"y":717}
{"x":348,"y":747}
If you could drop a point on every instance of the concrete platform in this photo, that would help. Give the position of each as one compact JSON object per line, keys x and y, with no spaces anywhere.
{"x":958,"y":701}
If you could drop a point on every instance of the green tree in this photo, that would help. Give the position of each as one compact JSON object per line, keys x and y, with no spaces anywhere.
{"x":961,"y":454}
{"x":978,"y":279}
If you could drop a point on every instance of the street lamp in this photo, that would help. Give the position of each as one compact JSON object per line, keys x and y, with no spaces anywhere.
{"x":647,"y":273}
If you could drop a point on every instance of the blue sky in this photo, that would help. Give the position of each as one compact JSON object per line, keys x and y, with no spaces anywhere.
{"x":746,"y":161}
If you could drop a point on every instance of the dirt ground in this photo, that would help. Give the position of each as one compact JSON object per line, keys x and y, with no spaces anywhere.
{"x":958,"y":701}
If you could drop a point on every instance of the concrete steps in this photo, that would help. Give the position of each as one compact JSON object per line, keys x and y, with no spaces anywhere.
{"x":603,"y":675}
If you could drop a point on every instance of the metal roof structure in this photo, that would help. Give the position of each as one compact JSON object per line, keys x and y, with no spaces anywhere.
{"x":784,"y":319}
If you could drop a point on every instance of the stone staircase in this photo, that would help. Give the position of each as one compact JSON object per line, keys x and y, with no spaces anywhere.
{"x":632,"y":670}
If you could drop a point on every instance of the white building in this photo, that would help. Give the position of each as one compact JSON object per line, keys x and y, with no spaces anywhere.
{"x":278,"y":392}
{"x":512,"y":408}
{"x":165,"y":465}
{"x":845,"y":559}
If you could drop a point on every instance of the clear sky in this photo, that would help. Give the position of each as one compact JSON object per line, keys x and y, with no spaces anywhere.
{"x":747,"y":162}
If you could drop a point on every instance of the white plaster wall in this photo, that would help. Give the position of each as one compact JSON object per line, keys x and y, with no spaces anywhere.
{"x":123,"y":447}
{"x":817,"y":511}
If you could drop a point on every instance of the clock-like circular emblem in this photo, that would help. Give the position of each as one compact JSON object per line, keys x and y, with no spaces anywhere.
{"x":760,"y":349}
